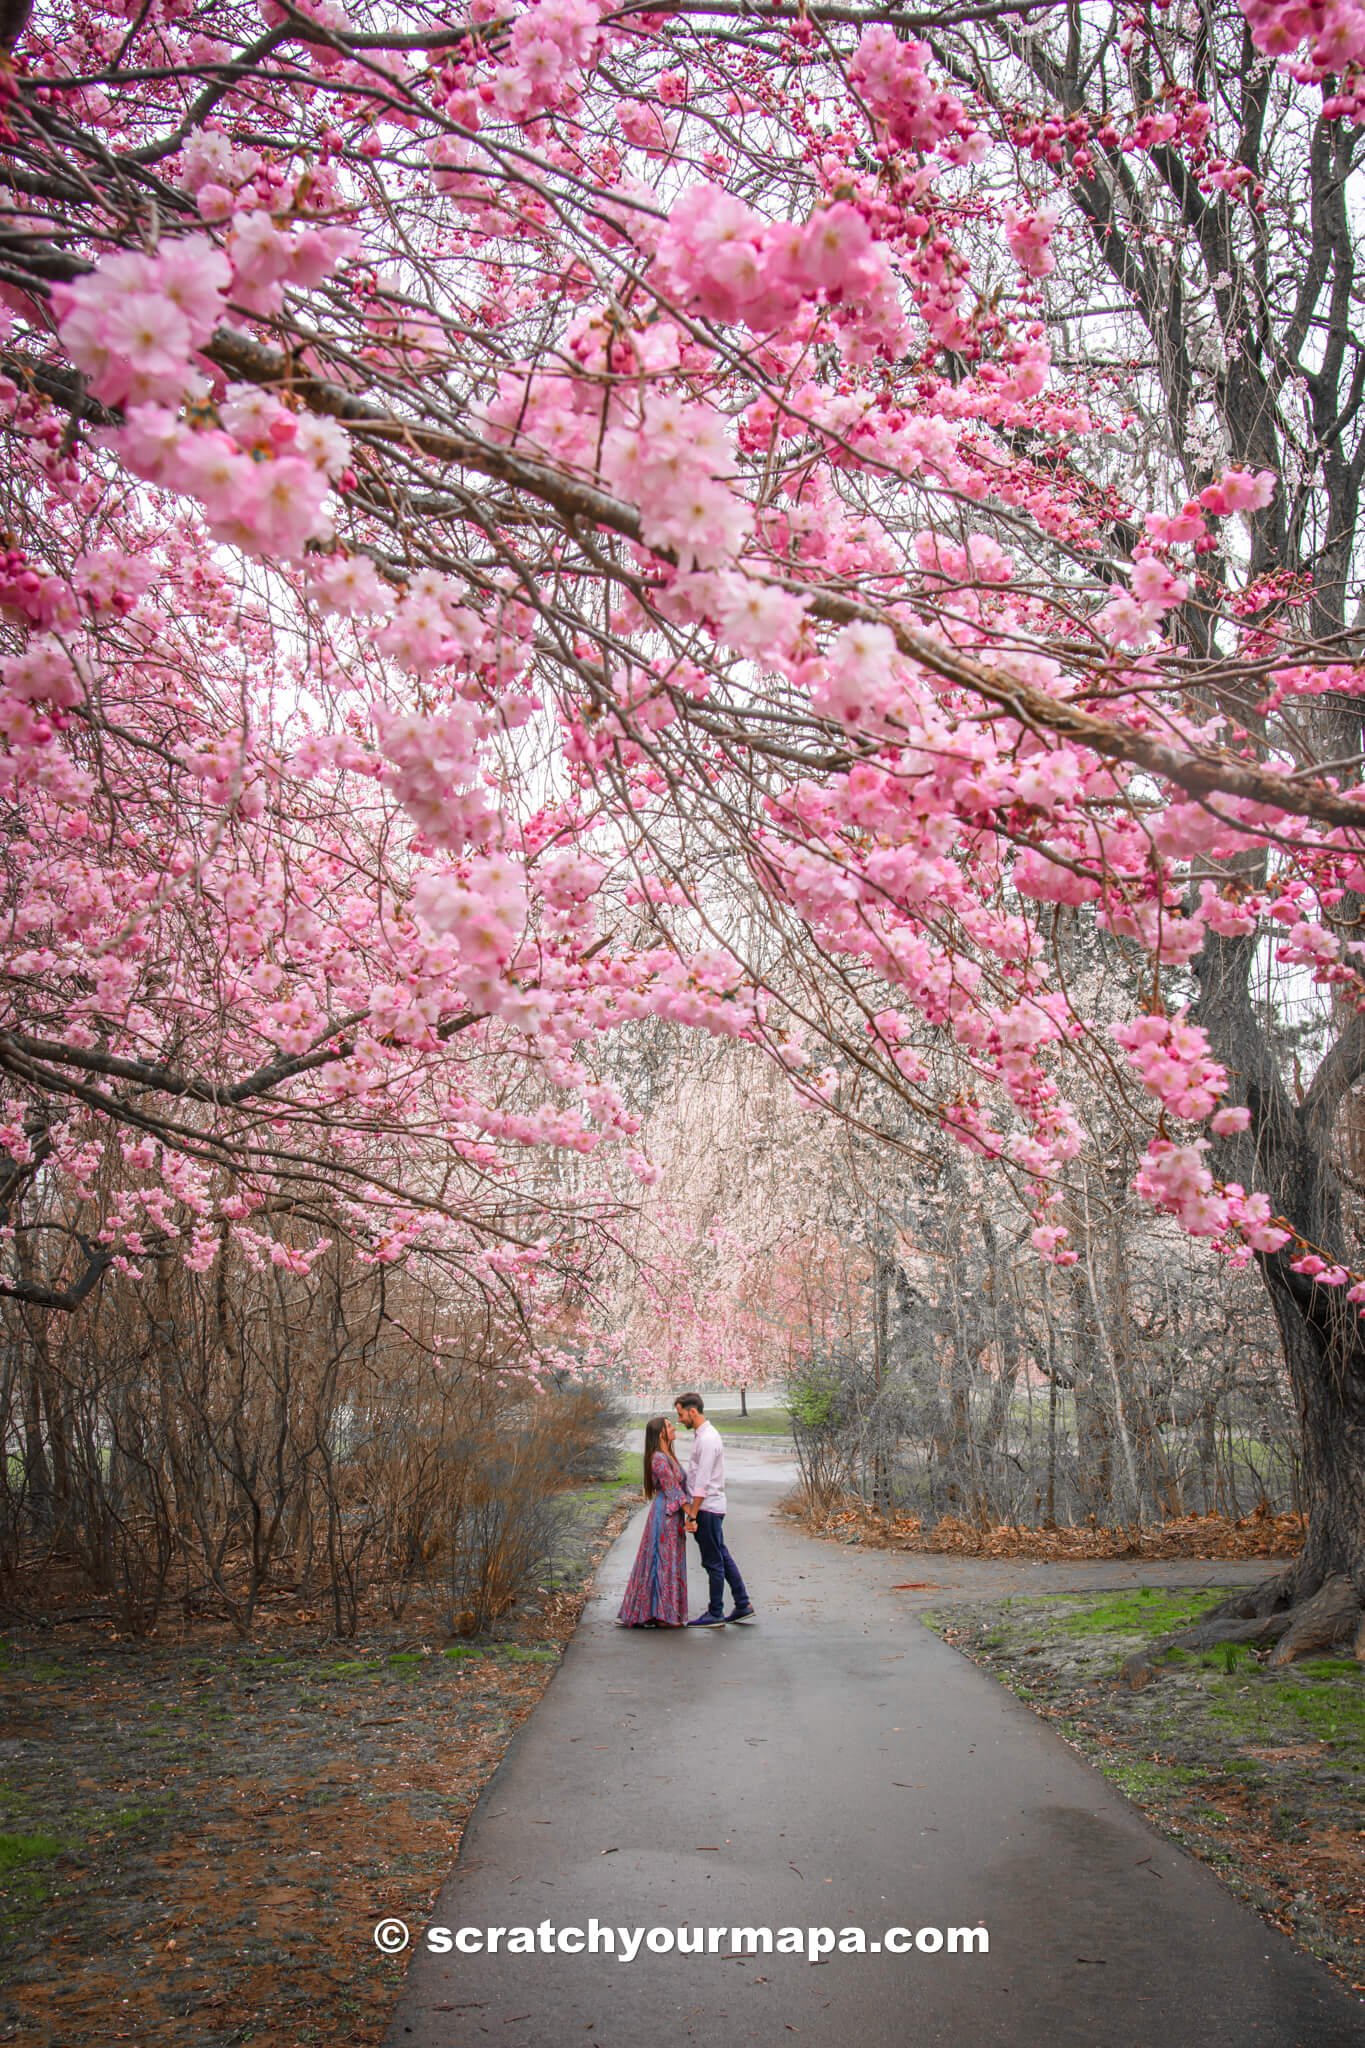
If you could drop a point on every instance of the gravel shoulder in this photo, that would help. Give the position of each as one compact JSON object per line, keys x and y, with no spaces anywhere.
{"x":1258,"y":1772}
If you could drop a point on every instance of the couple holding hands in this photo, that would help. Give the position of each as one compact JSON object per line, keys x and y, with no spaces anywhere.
{"x":656,"y":1592}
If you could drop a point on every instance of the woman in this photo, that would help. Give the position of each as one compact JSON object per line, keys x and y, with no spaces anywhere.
{"x":656,"y":1592}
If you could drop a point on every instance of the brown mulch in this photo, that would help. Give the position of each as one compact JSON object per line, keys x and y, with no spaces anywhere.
{"x":1260,"y":1534}
{"x":231,"y":1819}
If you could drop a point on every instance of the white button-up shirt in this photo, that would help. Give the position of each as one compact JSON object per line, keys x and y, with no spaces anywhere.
{"x":706,"y":1468}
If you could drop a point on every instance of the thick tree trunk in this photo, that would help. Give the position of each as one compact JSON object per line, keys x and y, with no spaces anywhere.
{"x":1288,"y":1153}
{"x":1324,"y":1351}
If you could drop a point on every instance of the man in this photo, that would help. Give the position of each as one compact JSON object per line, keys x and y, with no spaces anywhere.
{"x":705,"y":1515}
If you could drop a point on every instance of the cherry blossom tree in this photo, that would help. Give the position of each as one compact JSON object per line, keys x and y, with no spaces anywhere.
{"x":729,"y":1269}
{"x":529,"y":519}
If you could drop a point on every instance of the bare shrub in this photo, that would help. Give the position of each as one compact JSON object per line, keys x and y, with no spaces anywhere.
{"x":193,"y":1445}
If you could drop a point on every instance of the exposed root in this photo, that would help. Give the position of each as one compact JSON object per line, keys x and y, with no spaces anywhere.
{"x":1331,"y":1617}
{"x":1271,"y":1596}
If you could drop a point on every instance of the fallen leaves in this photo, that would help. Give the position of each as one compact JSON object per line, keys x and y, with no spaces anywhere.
{"x":227,"y":1878}
{"x":1196,"y":1536}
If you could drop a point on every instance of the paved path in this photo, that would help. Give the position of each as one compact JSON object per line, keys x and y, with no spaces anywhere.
{"x":837,"y":1765}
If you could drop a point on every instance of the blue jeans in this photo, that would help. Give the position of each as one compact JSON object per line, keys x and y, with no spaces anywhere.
{"x":720,"y":1567}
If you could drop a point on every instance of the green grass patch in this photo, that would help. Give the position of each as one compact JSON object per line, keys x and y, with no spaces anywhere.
{"x":33,"y":1670}
{"x":22,"y":1866}
{"x":1228,"y":1658}
{"x":603,"y":1493}
{"x":758,"y":1422}
{"x":1139,"y":1780}
{"x":626,"y":1469}
{"x":17,"y":1852}
{"x":1332,"y":1713}
{"x":141,"y":1813}
{"x":1146,"y":1611}
{"x":1269,"y":1708}
{"x":523,"y":1653}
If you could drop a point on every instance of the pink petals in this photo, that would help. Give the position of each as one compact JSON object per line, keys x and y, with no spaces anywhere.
{"x":132,"y":324}
{"x":1029,"y":235}
{"x":718,"y":257}
{"x":1172,"y":1058}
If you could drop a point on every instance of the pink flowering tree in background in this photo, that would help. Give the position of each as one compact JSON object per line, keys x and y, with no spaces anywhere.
{"x":728,"y":1269}
{"x":795,"y":522}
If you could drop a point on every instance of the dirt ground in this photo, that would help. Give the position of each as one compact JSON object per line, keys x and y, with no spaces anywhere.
{"x":198,"y":1836}
{"x":1259,"y":1772}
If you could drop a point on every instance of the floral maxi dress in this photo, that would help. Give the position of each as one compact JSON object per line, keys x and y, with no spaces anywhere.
{"x":657,"y":1587}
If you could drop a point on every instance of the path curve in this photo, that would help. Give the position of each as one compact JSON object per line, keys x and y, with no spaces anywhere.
{"x":837,"y":1764}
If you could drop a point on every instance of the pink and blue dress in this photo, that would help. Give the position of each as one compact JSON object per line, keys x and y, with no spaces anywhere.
{"x":656,"y":1591}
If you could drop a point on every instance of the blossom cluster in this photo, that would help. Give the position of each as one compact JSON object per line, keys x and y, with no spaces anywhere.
{"x":1172,"y":1056}
{"x":1334,"y":31}
{"x":716,"y":256}
{"x":1029,"y":235}
{"x":550,"y":46}
{"x":263,"y":488}
{"x":135,"y":324}
{"x":675,"y":462}
{"x":913,"y":112}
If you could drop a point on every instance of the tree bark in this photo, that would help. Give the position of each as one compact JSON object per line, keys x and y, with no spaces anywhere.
{"x":1288,"y":1152}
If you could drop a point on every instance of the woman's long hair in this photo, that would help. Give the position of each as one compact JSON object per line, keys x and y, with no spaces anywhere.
{"x":654,"y":1430}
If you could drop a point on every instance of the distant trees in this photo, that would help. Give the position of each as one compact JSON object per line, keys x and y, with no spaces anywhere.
{"x":929,"y":1358}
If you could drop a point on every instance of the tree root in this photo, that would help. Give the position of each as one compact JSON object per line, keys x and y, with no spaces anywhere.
{"x":1333,"y":1615}
{"x":1271,"y":1596}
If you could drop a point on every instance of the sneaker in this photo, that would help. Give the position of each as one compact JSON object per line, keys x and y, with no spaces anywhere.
{"x":749,"y":1613}
{"x":707,"y":1621}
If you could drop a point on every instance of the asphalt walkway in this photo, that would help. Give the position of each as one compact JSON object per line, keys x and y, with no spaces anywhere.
{"x":836,"y":1765}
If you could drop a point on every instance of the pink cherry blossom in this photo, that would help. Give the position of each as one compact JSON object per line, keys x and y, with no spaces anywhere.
{"x":1029,"y":235}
